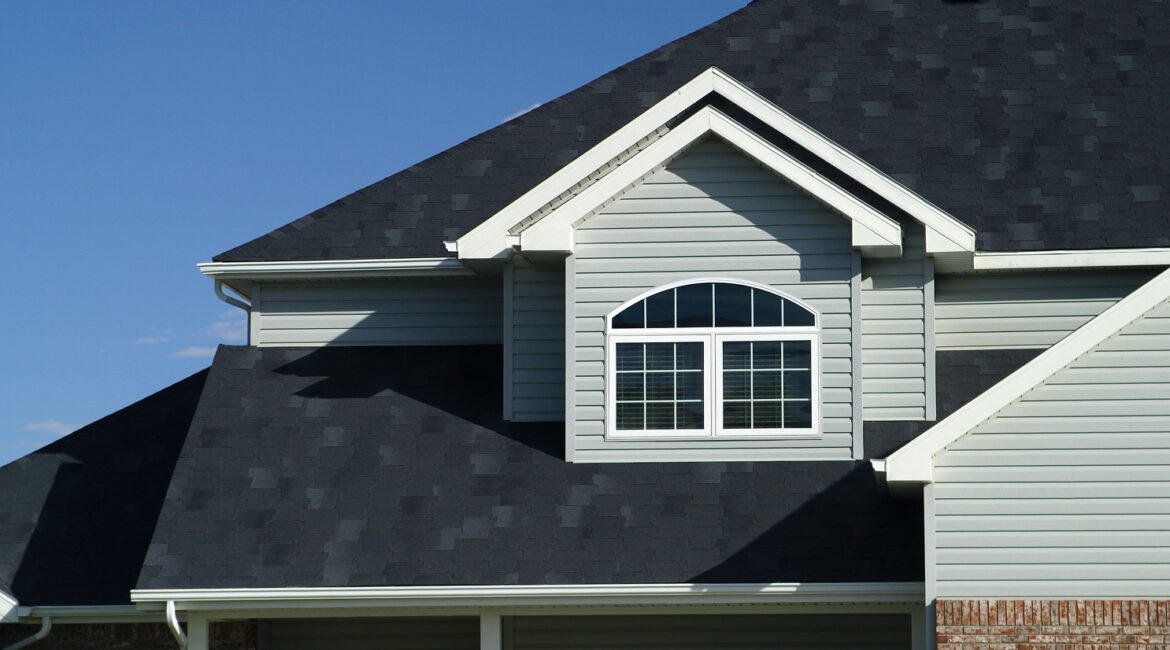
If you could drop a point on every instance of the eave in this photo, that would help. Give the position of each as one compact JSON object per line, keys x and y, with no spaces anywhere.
{"x":335,"y":269}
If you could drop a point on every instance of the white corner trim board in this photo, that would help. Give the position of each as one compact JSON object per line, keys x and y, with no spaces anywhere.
{"x":532,"y":595}
{"x":913,"y":463}
{"x":554,"y":233}
{"x":489,"y":239}
{"x":1099,"y":258}
{"x":323,"y":269}
{"x":9,"y":608}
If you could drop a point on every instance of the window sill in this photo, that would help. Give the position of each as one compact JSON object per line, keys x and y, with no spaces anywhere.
{"x":769,"y":435}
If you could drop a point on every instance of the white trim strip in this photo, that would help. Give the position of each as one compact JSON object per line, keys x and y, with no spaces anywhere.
{"x":554,"y":232}
{"x":317,"y":269}
{"x":1097,"y":258}
{"x":535,"y":595}
{"x":8,"y":608}
{"x":915,"y":461}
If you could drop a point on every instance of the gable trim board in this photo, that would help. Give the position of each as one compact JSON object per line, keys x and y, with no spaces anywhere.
{"x":531,"y":595}
{"x":554,"y":232}
{"x":490,"y":239}
{"x":914,"y":462}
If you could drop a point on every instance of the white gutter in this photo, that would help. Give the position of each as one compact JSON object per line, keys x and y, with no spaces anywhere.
{"x":1095,"y":258}
{"x":532,"y":595}
{"x":324,"y":269}
{"x":173,"y":625}
{"x":46,"y":627}
{"x":67,"y":614}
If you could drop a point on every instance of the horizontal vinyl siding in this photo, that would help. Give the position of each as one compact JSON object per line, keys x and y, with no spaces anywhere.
{"x":713,"y":632}
{"x":893,"y":333}
{"x":538,"y":341}
{"x":1066,"y":492}
{"x":1024,"y":309}
{"x":460,"y":633}
{"x":712,"y":213}
{"x":447,"y":311}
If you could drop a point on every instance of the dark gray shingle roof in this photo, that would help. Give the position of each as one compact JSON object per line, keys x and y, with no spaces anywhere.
{"x":1042,"y":124}
{"x":390,"y":466}
{"x":76,"y":516}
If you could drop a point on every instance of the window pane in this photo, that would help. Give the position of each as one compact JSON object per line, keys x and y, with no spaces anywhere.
{"x":766,"y":354}
{"x":768,"y":309}
{"x":689,"y":356}
{"x":737,"y":415}
{"x":690,"y":415}
{"x":796,"y":316}
{"x":737,"y":385}
{"x":630,"y":387}
{"x":629,"y":417}
{"x":737,"y":354}
{"x":631,"y":317}
{"x":660,"y":386}
{"x":766,"y":384}
{"x":733,"y":305}
{"x":659,"y":416}
{"x":798,"y":384}
{"x":660,"y":309}
{"x":694,"y":305}
{"x":629,"y":356}
{"x":689,"y":385}
{"x":797,"y":415}
{"x":767,"y":415}
{"x":797,"y":354}
{"x":659,"y":356}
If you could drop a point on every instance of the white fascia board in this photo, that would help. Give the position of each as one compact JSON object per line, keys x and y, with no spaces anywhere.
{"x":951,"y":235}
{"x":69,"y":614}
{"x":554,"y":233}
{"x":326,"y":269}
{"x":9,"y":608}
{"x":914,"y":463}
{"x":1098,"y":258}
{"x":533,"y":595}
{"x":488,"y":240}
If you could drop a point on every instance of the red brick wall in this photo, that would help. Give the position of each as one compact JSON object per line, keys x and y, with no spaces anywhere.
{"x":1052,"y":624}
{"x":235,"y":635}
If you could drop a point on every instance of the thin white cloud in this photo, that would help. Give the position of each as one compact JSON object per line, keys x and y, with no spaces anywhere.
{"x":53,"y":428}
{"x":229,"y":326}
{"x":155,"y":339}
{"x":519,"y":113}
{"x":194,"y":352}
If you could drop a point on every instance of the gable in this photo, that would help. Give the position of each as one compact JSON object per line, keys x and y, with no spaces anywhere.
{"x":1133,"y":325}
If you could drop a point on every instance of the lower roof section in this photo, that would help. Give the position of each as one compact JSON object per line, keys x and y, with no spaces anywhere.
{"x":350,"y":467}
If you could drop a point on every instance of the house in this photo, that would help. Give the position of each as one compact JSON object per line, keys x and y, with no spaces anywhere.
{"x":830,"y":325}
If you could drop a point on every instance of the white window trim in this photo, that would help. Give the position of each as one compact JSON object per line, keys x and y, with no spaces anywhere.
{"x":810,"y":334}
{"x":713,"y":383}
{"x":659,"y":336}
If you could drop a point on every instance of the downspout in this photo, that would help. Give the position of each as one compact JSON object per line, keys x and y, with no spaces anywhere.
{"x":234,"y":302}
{"x":172,"y":615}
{"x":46,"y":627}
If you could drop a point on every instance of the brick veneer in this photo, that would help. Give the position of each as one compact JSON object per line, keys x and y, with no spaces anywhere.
{"x":1052,"y":624}
{"x":236,"y":635}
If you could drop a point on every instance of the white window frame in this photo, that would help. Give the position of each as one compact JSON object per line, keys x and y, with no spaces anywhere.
{"x":712,"y":339}
{"x":667,"y":336}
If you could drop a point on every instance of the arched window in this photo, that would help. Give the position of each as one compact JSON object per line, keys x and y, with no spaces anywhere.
{"x":712,"y":358}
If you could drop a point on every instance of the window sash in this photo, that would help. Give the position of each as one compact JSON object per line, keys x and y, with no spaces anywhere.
{"x":611,"y":375}
{"x":721,"y":430}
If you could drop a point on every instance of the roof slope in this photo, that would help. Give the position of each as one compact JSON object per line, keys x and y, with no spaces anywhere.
{"x":77,"y":515}
{"x":1043,"y":125}
{"x":391,"y":467}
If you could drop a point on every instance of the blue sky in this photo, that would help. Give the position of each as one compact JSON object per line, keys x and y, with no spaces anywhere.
{"x":137,"y":139}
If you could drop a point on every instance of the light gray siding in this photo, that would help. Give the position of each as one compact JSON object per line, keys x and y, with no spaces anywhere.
{"x":1066,"y":492}
{"x":538,"y":341}
{"x":712,"y":213}
{"x":1024,"y":309}
{"x":894,"y":342}
{"x":453,"y":633}
{"x":415,"y":311}
{"x":713,"y":632}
